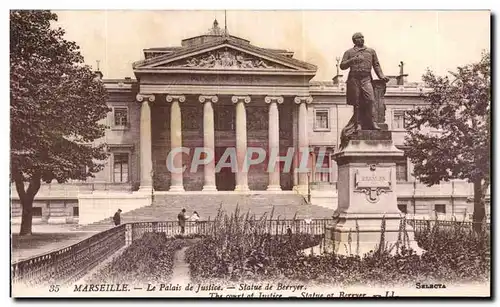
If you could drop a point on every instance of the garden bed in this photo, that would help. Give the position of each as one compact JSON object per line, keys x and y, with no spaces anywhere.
{"x":238,"y":252}
{"x":148,"y":259}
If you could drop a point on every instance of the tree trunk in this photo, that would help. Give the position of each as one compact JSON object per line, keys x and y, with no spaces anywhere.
{"x":479,"y":213}
{"x":26,"y":198}
{"x":27,"y":217}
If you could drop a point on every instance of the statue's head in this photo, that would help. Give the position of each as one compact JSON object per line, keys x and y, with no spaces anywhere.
{"x":358,"y":39}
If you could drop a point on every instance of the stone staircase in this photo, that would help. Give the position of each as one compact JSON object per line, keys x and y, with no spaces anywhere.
{"x":166,"y":207}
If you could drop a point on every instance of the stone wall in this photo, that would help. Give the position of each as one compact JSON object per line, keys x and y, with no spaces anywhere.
{"x":122,"y":139}
{"x":54,"y":211}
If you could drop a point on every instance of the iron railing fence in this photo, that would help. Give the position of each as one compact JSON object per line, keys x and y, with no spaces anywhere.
{"x":273,"y":227}
{"x":70,"y":263}
{"x":420,"y":225}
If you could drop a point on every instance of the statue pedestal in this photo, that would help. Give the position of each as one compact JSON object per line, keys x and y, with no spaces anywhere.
{"x":367,"y":197}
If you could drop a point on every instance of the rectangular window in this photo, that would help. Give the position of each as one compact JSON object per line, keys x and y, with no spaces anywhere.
{"x":120,"y":167}
{"x":402,"y":171}
{"x":76,"y":211}
{"x":323,"y":176}
{"x":37,"y":211}
{"x":398,"y":122}
{"x":403,"y":208}
{"x":440,"y":208}
{"x":121,"y":116}
{"x":321,"y":120}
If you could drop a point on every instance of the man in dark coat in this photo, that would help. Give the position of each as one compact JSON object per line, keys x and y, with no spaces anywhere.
{"x":117,"y":218}
{"x":181,"y":217}
{"x":360,"y":59}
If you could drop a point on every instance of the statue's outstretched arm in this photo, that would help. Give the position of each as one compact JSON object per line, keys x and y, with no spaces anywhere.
{"x":376,"y":66}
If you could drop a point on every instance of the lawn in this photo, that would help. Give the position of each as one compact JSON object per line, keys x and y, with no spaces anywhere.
{"x":43,"y":242}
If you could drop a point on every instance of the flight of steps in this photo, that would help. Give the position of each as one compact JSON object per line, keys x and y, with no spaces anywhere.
{"x":166,"y":208}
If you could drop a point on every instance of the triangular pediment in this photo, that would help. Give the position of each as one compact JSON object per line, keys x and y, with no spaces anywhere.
{"x":225,"y":58}
{"x":224,"y":55}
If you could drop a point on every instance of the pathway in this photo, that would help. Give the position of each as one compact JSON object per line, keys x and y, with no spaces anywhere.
{"x":180,"y":271}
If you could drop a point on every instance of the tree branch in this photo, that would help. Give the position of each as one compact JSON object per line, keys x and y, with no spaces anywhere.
{"x":34,"y":185}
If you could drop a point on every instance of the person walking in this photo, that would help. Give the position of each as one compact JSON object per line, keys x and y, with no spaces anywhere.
{"x":181,"y":218}
{"x":117,"y":217}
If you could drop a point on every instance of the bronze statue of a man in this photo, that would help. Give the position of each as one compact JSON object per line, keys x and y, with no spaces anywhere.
{"x":360,"y":59}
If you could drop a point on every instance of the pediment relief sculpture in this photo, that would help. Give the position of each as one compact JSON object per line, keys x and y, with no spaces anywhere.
{"x":226,"y":59}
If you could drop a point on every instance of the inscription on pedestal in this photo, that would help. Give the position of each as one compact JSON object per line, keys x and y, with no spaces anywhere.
{"x":372,"y":182}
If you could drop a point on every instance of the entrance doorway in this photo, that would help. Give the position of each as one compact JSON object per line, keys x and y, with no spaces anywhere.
{"x":225,"y":179}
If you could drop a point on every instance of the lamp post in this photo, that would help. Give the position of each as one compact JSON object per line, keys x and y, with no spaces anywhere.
{"x":152,"y":173}
{"x":337,"y":59}
{"x":308,"y":188}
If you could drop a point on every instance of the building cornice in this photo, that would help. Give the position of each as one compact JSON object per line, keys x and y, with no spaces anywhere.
{"x":316,"y":88}
{"x":231,"y":72}
{"x":325,"y":88}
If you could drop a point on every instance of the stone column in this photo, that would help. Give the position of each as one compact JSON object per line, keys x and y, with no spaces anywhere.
{"x":314,"y":156}
{"x":176,"y":184}
{"x":146,"y":162}
{"x":329,"y":156}
{"x":241,"y":141}
{"x":209,"y":141}
{"x":303,"y":140}
{"x":274,"y":141}
{"x":295,"y":164}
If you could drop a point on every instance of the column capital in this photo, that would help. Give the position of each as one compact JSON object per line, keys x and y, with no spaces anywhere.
{"x":180,"y":98}
{"x":301,"y":99}
{"x":142,"y":97}
{"x":277,"y":99}
{"x":212,"y":98}
{"x":236,"y":99}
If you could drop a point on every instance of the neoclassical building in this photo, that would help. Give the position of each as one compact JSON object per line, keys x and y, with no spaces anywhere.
{"x":217,"y":91}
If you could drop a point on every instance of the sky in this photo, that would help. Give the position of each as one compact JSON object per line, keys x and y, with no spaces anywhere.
{"x":439,"y":40}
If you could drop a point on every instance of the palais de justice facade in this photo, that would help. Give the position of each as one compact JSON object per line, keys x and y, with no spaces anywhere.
{"x":219,"y":91}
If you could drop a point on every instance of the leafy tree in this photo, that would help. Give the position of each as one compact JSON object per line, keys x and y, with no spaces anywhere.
{"x":57,"y":104}
{"x":459,"y":108}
